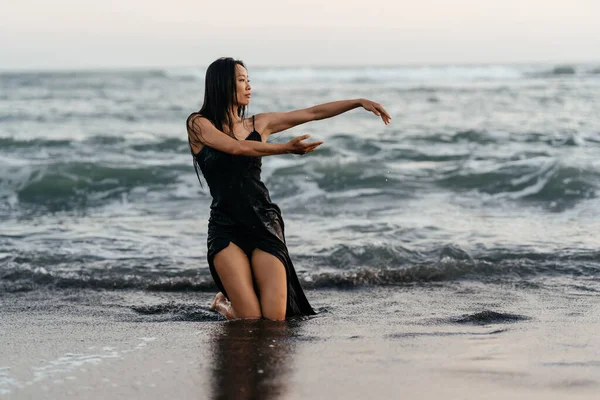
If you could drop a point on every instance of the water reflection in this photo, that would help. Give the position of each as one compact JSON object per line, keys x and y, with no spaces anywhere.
{"x":251,"y":359}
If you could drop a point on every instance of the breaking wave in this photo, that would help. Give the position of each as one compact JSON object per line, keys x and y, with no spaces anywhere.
{"x":342,"y":268}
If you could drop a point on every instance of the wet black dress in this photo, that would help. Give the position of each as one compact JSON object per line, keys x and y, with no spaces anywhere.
{"x":242,"y":212}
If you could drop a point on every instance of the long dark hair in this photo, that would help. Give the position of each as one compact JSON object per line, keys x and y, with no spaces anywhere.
{"x":220,"y":95}
{"x":219,"y":98}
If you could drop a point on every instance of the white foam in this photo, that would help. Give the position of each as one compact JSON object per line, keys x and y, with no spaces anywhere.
{"x":408,"y":74}
{"x":60,"y":369}
{"x":374,"y":73}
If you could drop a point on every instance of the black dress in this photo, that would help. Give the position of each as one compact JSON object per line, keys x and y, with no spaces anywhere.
{"x":242,"y":212}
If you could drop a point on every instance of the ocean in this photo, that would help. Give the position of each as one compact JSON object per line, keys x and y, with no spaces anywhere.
{"x":486,"y":173}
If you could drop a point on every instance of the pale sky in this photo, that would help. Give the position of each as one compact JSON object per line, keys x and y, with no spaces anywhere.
{"x":72,"y":34}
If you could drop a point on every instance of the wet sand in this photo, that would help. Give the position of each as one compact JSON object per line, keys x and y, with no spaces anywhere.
{"x":456,"y":341}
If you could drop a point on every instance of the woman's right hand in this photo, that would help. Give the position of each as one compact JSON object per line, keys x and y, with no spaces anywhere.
{"x":298,"y":146}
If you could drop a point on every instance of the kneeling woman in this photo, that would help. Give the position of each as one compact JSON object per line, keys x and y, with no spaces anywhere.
{"x":247,"y":254}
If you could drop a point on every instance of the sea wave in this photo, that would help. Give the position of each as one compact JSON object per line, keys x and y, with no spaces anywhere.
{"x":64,"y":185}
{"x":424,"y":73}
{"x":483,"y":137}
{"x":342,"y":268}
{"x":542,"y":179}
{"x":352,"y":166}
{"x":98,"y":78}
{"x":98,"y":143}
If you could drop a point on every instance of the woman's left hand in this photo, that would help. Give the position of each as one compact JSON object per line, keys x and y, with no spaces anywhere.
{"x":376,"y":109}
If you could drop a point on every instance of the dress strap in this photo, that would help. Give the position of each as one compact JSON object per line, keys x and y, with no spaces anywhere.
{"x":253,"y":128}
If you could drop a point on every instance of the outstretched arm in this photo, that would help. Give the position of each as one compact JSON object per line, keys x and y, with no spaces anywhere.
{"x":280,"y":121}
{"x":202,"y":132}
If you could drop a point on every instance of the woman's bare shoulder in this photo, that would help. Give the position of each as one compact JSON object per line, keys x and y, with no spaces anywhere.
{"x":197,"y":120}
{"x":260,"y":122}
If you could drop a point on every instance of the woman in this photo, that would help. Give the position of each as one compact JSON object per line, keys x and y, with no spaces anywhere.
{"x":247,"y":254}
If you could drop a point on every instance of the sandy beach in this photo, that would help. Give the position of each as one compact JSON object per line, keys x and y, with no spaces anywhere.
{"x":455,"y":341}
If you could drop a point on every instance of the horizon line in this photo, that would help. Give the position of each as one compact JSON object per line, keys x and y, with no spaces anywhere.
{"x":312,"y":66}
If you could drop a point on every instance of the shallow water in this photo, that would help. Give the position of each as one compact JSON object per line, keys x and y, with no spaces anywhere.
{"x":431,"y":341}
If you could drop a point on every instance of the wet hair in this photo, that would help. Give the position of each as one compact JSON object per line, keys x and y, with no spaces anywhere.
{"x":219,"y":97}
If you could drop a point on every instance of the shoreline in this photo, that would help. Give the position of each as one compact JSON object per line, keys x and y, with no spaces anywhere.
{"x":457,"y":341}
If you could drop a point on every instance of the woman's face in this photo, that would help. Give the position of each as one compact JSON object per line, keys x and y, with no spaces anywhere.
{"x":242,"y":87}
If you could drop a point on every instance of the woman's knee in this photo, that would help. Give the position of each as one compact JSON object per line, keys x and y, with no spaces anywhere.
{"x":275,"y":315}
{"x":273,"y":305}
{"x":248,"y":311}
